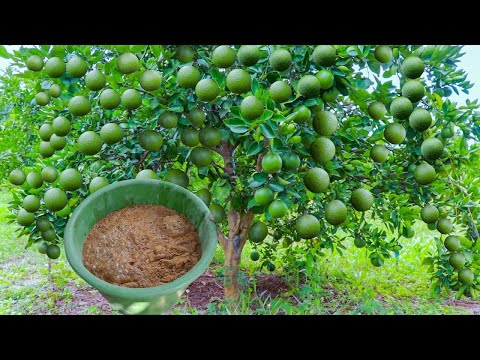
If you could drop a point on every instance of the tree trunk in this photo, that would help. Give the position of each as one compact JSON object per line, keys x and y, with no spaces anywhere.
{"x":238,"y":224}
{"x":233,"y":247}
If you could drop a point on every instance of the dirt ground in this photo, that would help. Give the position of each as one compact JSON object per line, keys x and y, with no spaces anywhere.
{"x":208,"y":289}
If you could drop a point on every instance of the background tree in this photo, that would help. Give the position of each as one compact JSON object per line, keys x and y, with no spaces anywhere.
{"x":294,"y":146}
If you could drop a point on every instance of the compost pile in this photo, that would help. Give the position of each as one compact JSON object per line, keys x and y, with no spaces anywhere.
{"x":141,"y":246}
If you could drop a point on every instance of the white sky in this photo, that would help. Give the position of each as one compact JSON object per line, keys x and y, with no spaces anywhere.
{"x":469,"y":62}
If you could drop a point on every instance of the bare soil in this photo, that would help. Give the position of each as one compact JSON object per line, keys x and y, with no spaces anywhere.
{"x":141,"y":246}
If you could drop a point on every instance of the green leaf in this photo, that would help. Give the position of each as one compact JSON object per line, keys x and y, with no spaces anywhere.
{"x":267,"y":131}
{"x":276,"y":187}
{"x":254,"y":149}
{"x":4,"y":53}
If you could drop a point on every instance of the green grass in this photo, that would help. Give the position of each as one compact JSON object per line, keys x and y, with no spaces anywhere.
{"x":335,"y":285}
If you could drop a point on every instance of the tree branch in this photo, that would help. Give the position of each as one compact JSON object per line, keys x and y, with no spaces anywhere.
{"x":142,"y":158}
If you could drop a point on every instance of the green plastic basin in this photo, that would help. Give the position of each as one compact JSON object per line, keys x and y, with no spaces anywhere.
{"x":152,"y":300}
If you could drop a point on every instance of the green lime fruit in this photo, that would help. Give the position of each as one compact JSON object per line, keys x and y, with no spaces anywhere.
{"x":201,"y":156}
{"x":111,"y":133}
{"x":128,"y":63}
{"x":61,"y":126}
{"x":280,"y":60}
{"x":429,"y":214}
{"x":324,"y":55}
{"x":445,"y":226}
{"x":424,"y":174}
{"x":278,"y":208}
{"x":31,"y":203}
{"x":376,"y":110}
{"x":188,"y":77}
{"x":189,"y":137}
{"x":131,"y":99}
{"x":35,"y":63}
{"x":413,"y":67}
{"x":322,"y":150}
{"x":147,"y":174}
{"x":218,"y":212}
{"x":42,"y":98}
{"x":55,"y":199}
{"x":377,"y":261}
{"x":196,"y":117}
{"x":45,"y":149}
{"x":420,"y":119}
{"x":205,"y":196}
{"x":408,"y":233}
{"x":383,"y":54}
{"x":95,"y":80}
{"x":448,"y":131}
{"x":309,"y":86}
{"x":223,"y":56}
{"x":257,"y":232}
{"x":291,"y":161}
{"x":55,"y":67}
{"x":17,"y":177}
{"x":303,"y":114}
{"x":53,"y":251}
{"x":43,"y":224}
{"x":76,"y":67}
{"x":89,"y":143}
{"x":34,"y":180}
{"x":362,"y":199}
{"x":42,"y":247}
{"x":178,"y":177}
{"x":325,"y":123}
{"x":97,"y":183}
{"x":466,"y":277}
{"x":359,"y":242}
{"x":452,"y":243}
{"x":326,"y":79}
{"x":270,"y":266}
{"x":248,"y":55}
{"x":263,"y":196}
{"x":55,"y":91}
{"x":251,"y":107}
{"x":25,"y":218}
{"x":79,"y":106}
{"x":150,"y":140}
{"x":457,"y":260}
{"x":316,"y":180}
{"x":58,"y":142}
{"x":70,"y":179}
{"x":271,"y":163}
{"x":254,"y":256}
{"x":150,"y":80}
{"x":413,"y":90}
{"x":432,"y":148}
{"x":49,"y":235}
{"x":401,"y":108}
{"x":168,"y":120}
{"x":209,"y":137}
{"x":280,"y":91}
{"x":335,"y":212}
{"x":432,"y":226}
{"x":239,"y":81}
{"x":307,"y":226}
{"x":394,"y":133}
{"x":207,"y":90}
{"x":45,"y":132}
{"x":109,"y":99}
{"x":184,"y":53}
{"x":330,"y":95}
{"x":379,"y":153}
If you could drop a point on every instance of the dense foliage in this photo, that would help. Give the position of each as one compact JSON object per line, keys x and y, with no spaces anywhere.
{"x":307,"y":126}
